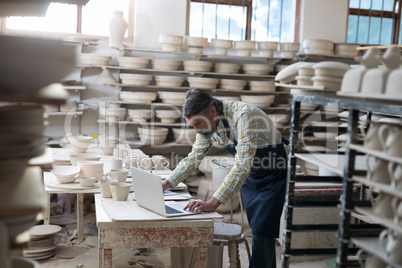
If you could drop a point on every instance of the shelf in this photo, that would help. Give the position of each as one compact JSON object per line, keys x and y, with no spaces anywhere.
{"x":389,"y":223}
{"x":76,"y":88}
{"x":184,"y":89}
{"x":29,"y":98}
{"x":180,"y":72}
{"x":308,"y":88}
{"x":332,"y":162}
{"x":318,"y":58}
{"x":78,"y":113}
{"x":373,"y":246}
{"x":139,"y":144}
{"x":376,"y":153}
{"x":379,"y":47}
{"x":386,"y":188}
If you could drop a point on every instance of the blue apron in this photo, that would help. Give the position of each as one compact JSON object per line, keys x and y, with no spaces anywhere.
{"x":264,"y":190}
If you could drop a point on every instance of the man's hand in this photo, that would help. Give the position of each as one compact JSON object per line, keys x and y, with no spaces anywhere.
{"x":166,"y":185}
{"x":196,"y":206}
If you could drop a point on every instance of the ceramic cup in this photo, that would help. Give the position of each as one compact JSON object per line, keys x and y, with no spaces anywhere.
{"x":392,"y":243}
{"x":397,"y":209}
{"x":395,"y":172}
{"x":118,"y":163}
{"x":87,"y":181}
{"x":104,"y":185}
{"x":91,"y":169}
{"x":120,"y":190}
{"x":107,"y":144}
{"x":377,"y":170}
{"x":371,"y":139}
{"x":160,"y":162}
{"x":382,"y":204}
{"x":369,"y":261}
{"x":146,"y":163}
{"x":391,"y":139}
{"x":119,"y":175}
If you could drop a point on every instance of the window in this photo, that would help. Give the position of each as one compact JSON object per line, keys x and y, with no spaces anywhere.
{"x":64,"y":19}
{"x":374,"y":22}
{"x":259,"y":20}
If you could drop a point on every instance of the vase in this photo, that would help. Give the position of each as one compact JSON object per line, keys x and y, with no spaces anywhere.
{"x":117,"y":29}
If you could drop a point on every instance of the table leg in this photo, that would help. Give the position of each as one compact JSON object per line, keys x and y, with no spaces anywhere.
{"x":234,"y":258}
{"x":80,"y":216}
{"x":202,"y":257}
{"x":46,"y":217}
{"x":105,"y":258}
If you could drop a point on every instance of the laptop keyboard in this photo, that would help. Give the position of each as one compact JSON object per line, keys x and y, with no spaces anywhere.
{"x":170,"y":210}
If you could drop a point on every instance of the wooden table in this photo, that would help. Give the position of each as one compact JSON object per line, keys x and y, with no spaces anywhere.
{"x":176,"y":232}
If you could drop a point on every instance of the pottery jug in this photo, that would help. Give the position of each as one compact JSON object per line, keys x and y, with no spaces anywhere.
{"x":395,"y":173}
{"x":391,"y":141}
{"x":377,"y":170}
{"x":117,"y":29}
{"x":371,"y":139}
{"x":371,"y":261}
{"x":397,"y":209}
{"x":352,"y":79}
{"x":392,"y":244}
{"x":382,"y":204}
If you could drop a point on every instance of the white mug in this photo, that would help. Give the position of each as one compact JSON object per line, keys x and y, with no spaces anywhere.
{"x":382,"y":204}
{"x":118,"y":163}
{"x":390,"y":138}
{"x":392,"y":243}
{"x":377,"y":170}
{"x":371,"y":139}
{"x":395,"y":172}
{"x":397,"y":209}
{"x":160,"y":162}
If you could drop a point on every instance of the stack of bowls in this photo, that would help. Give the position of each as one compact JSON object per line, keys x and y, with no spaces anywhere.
{"x":244,"y":47}
{"x":305,"y":74}
{"x":153,"y":136}
{"x":318,"y":47}
{"x":267,"y":49}
{"x":79,"y":144}
{"x":329,"y":74}
{"x":165,"y":65}
{"x":138,"y":97}
{"x":233,"y":84}
{"x":227,"y":68}
{"x":139,"y":115}
{"x":174,"y":98}
{"x":257,"y":69}
{"x":65,"y":174}
{"x":136,"y":79}
{"x":91,"y":169}
{"x":288,"y":50}
{"x":261,"y":101}
{"x":203,"y":82}
{"x":92,"y":59}
{"x":184,"y":135}
{"x":170,"y":43}
{"x":197,"y":66}
{"x":221,"y":46}
{"x":133,"y":62}
{"x":346,"y":50}
{"x":168,"y":81}
{"x":196,"y":44}
{"x":168,"y":116}
{"x":262,"y":86}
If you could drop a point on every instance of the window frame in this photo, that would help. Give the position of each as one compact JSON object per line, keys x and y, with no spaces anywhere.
{"x":395,"y":16}
{"x":130,"y":27}
{"x":249,"y":7}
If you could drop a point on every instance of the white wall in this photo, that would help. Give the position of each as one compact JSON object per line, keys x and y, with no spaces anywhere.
{"x":324,"y":19}
{"x":152,"y":17}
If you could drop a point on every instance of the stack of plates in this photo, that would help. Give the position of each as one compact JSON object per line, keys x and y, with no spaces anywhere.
{"x":41,"y":245}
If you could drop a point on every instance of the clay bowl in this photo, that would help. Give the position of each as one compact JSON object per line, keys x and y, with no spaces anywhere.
{"x":267,"y":45}
{"x":184,"y":136}
{"x":79,"y":144}
{"x":136,"y":79}
{"x":119,"y":175}
{"x":257,"y":69}
{"x":169,"y":81}
{"x":196,"y":41}
{"x":168,"y":116}
{"x":258,"y":101}
{"x":92,"y":59}
{"x":262,"y":86}
{"x":66,"y":174}
{"x":174,"y":98}
{"x":232,"y":84}
{"x":203,"y":82}
{"x":176,"y":40}
{"x":154,"y":136}
{"x":197,"y":66}
{"x":74,"y":158}
{"x":227,"y":68}
{"x":140,"y":114}
{"x":290,"y":47}
{"x":221,"y":43}
{"x":244,"y":44}
{"x":133,"y":62}
{"x":138,"y":97}
{"x":91,"y":169}
{"x":87,"y":181}
{"x":166,"y":65}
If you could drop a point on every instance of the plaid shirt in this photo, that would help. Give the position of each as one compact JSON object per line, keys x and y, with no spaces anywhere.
{"x":250,"y":127}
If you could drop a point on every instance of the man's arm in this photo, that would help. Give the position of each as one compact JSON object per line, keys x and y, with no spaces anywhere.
{"x":190,"y":163}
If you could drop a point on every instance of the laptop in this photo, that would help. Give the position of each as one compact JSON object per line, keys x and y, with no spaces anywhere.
{"x":149,"y":194}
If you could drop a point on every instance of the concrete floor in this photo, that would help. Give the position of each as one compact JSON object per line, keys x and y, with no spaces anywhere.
{"x":88,"y":256}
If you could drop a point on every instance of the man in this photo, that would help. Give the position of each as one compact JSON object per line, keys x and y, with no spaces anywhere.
{"x":259,"y":170}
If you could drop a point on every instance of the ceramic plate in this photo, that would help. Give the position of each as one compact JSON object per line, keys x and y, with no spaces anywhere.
{"x":45,"y":229}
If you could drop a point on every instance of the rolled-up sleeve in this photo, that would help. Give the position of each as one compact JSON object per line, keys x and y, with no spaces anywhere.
{"x":191,"y":162}
{"x":246,"y":127}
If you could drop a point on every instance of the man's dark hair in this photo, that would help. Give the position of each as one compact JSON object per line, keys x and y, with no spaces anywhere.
{"x":199,"y":102}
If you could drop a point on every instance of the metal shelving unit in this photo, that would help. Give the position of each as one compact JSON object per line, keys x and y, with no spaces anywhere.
{"x":358,"y":227}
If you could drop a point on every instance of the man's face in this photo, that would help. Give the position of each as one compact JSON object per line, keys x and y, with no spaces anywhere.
{"x":205,"y":124}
